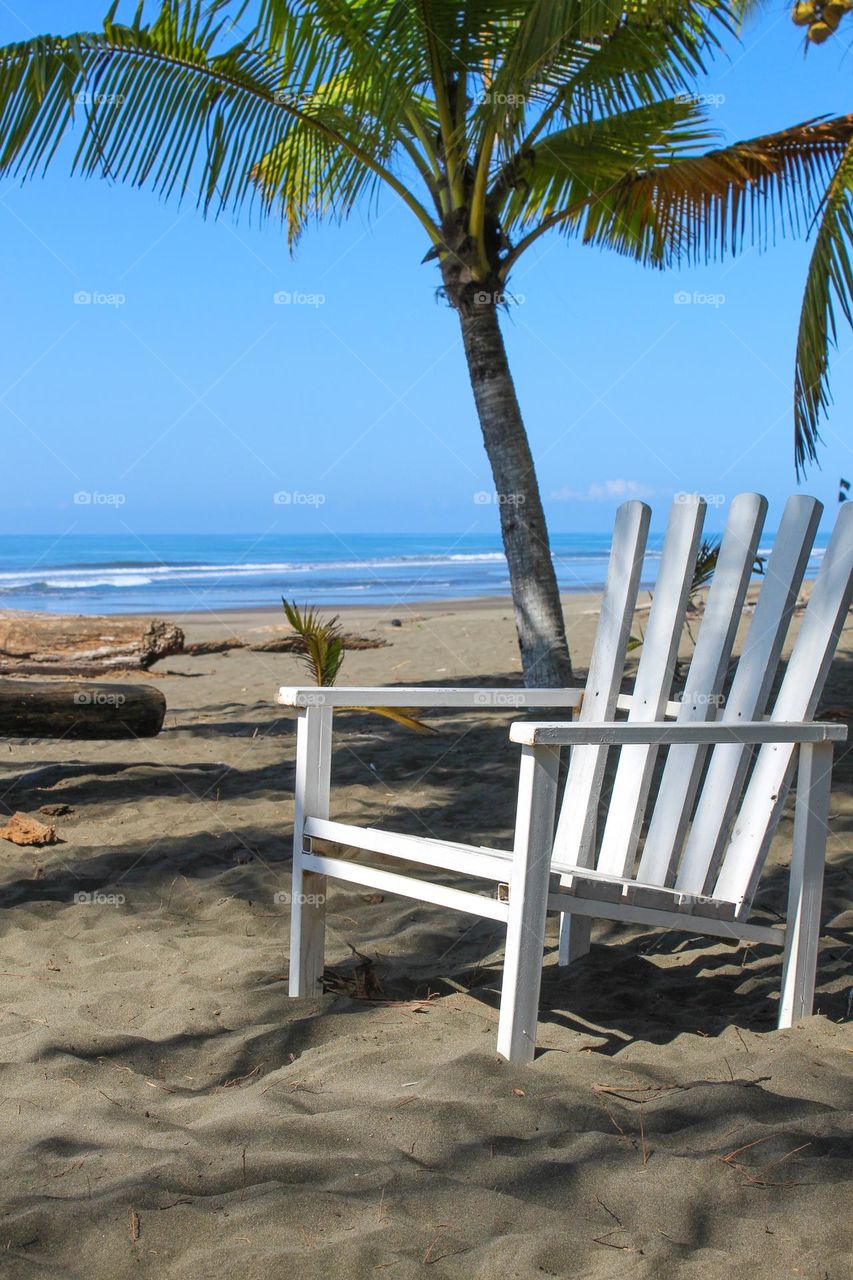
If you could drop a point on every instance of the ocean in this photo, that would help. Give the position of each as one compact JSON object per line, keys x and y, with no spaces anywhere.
{"x":164,"y":573}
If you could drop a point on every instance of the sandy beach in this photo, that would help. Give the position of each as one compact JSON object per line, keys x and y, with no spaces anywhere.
{"x":167,"y":1111}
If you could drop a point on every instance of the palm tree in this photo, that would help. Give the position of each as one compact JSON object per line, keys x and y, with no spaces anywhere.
{"x":495,"y":122}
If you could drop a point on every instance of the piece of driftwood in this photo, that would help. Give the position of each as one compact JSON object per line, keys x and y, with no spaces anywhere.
{"x":201,"y":648}
{"x":290,"y":643}
{"x":72,"y":709}
{"x":56,"y":644}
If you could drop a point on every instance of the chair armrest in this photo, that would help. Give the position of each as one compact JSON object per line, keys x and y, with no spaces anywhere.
{"x":665,"y":733}
{"x":400,"y":696}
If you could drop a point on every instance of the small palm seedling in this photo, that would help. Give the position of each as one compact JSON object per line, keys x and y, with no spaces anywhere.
{"x":321,"y":648}
{"x":706,"y":563}
{"x":321,"y":651}
{"x":703,"y":572}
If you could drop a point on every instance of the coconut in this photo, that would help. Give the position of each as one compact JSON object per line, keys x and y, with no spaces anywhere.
{"x":819,"y":31}
{"x":803,"y":14}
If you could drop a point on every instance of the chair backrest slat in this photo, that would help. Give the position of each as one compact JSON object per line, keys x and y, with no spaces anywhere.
{"x":574,"y":841}
{"x":700,"y":701}
{"x":747,"y":699}
{"x":653,"y":683}
{"x":798,"y":697}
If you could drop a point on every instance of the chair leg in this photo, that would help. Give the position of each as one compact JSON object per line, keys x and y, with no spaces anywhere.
{"x":308,"y":890}
{"x":575,"y":934}
{"x":528,"y":903}
{"x":307,"y":932}
{"x":806,"y":885}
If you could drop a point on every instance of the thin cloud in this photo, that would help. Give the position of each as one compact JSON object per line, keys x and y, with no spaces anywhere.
{"x":604,"y":491}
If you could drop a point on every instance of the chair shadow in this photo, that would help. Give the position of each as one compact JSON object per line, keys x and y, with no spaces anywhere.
{"x":420,"y":785}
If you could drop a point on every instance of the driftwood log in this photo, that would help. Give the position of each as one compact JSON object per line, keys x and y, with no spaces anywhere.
{"x":291,"y":643}
{"x":72,"y":709}
{"x":41,"y":644}
{"x":287,"y":643}
{"x":56,"y":644}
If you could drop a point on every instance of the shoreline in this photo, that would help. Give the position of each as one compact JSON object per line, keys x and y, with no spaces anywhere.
{"x":464,"y":603}
{"x":460,"y":602}
{"x":376,"y":582}
{"x":483,"y":628}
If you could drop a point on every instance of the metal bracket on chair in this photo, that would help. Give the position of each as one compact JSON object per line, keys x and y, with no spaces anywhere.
{"x":503,"y":893}
{"x":307,"y":844}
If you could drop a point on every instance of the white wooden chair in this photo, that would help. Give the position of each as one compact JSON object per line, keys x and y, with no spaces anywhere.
{"x":685,"y":853}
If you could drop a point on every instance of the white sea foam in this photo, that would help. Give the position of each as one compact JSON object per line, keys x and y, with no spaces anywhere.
{"x":83,"y":584}
{"x":59,"y":579}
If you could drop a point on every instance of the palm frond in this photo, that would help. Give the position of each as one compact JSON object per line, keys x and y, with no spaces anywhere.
{"x":641,"y":64}
{"x":164,"y":105}
{"x":698,"y":207}
{"x":829,"y":286}
{"x":374,"y":46}
{"x":572,"y":60}
{"x":307,"y":176}
{"x":400,"y":715}
{"x":584,"y":160}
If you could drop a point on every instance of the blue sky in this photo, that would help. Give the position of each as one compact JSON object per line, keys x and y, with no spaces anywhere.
{"x":189,"y":392}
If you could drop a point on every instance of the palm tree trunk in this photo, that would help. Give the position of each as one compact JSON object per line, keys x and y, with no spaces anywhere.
{"x":538,"y":614}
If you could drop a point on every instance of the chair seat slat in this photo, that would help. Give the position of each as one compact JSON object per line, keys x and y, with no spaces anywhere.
{"x":589,"y":886}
